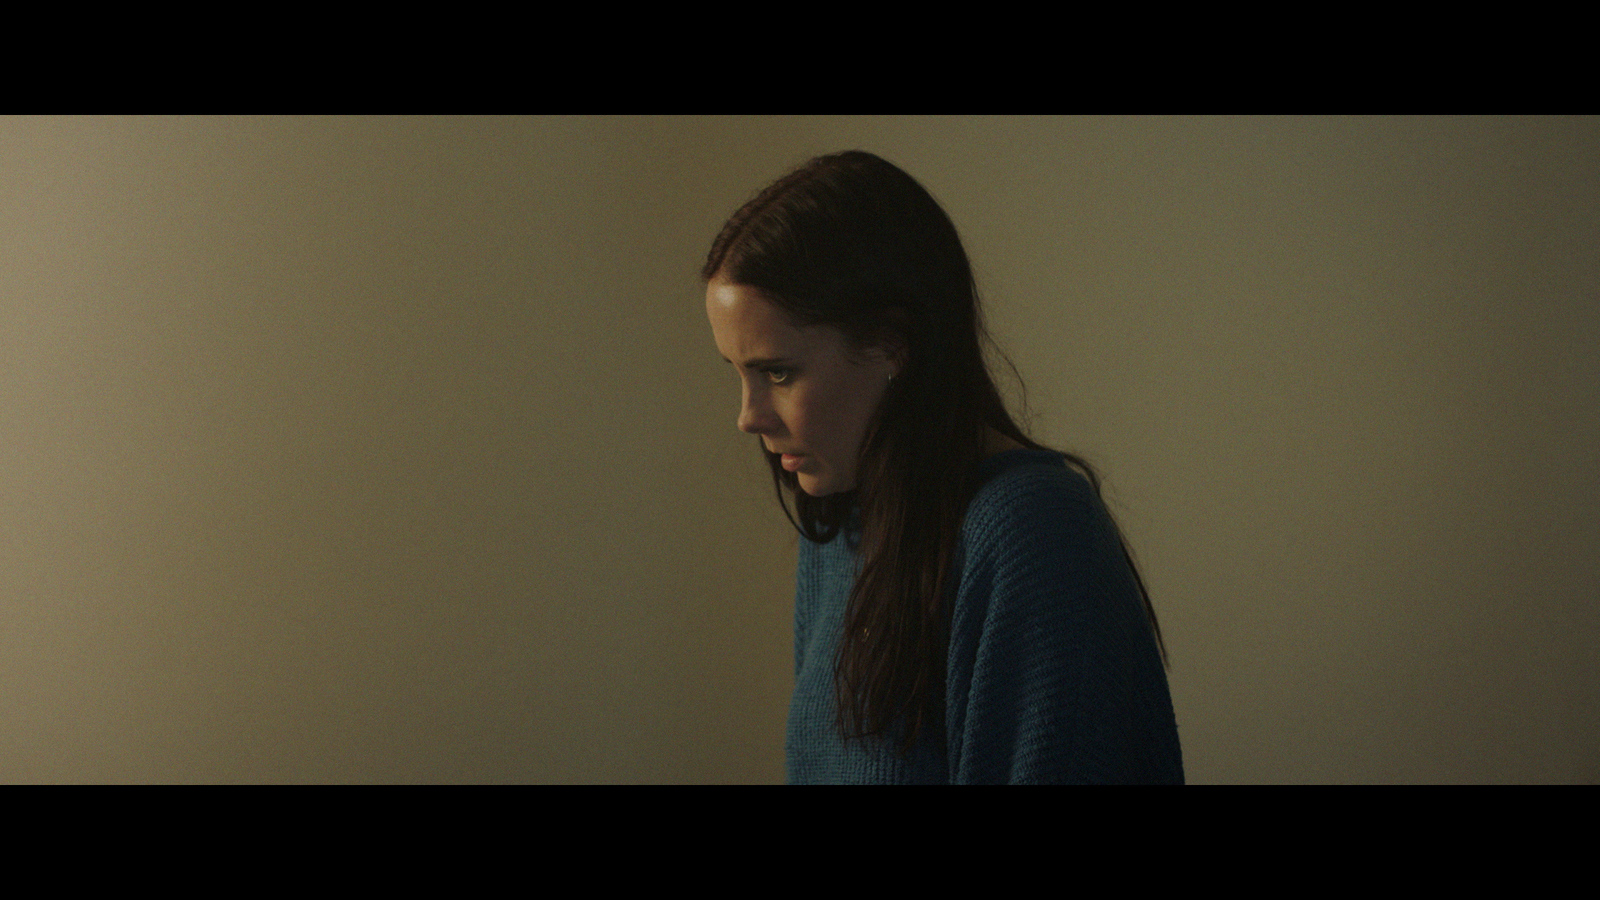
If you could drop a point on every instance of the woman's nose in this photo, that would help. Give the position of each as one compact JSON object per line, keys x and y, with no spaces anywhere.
{"x":755,"y":416}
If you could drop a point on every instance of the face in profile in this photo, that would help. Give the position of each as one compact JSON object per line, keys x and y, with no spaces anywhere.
{"x":804,"y":391}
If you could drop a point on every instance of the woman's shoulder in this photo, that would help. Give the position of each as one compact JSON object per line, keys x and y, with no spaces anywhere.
{"x":1025,"y":477}
{"x":1027,"y":498}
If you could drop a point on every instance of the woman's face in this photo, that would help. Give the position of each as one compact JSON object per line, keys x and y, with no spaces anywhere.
{"x":804,"y":393}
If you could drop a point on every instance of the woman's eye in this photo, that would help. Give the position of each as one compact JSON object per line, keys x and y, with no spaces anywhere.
{"x":778,"y":376}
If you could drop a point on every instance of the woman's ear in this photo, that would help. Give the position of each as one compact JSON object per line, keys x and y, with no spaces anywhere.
{"x":896,"y":354}
{"x":893,"y":343}
{"x":887,"y":349}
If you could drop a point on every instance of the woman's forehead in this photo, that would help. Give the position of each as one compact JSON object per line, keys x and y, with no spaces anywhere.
{"x":749,"y":328}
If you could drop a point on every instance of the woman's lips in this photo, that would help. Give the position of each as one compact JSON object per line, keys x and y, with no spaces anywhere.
{"x":790,"y":462}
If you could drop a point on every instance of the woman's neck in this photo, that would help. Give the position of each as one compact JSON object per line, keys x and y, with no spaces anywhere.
{"x":994,"y":442}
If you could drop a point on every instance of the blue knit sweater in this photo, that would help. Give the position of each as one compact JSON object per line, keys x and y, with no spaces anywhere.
{"x":1053,"y":672}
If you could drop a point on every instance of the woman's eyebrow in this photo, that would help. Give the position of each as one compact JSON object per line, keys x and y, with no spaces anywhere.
{"x":764,"y":361}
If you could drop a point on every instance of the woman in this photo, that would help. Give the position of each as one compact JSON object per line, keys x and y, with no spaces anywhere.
{"x":966,"y":610}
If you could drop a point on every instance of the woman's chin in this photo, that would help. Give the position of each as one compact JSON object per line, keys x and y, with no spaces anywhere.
{"x":819,"y":486}
{"x":811,"y":484}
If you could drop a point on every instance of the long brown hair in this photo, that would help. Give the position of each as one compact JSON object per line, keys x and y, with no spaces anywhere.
{"x":851,"y":241}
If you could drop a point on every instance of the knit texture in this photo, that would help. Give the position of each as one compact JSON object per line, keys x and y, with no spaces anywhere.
{"x":1053,"y":672}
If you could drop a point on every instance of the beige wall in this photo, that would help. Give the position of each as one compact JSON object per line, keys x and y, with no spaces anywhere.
{"x":398,"y":450}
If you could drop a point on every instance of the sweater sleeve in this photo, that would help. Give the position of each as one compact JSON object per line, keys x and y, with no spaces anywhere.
{"x":1053,"y":674}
